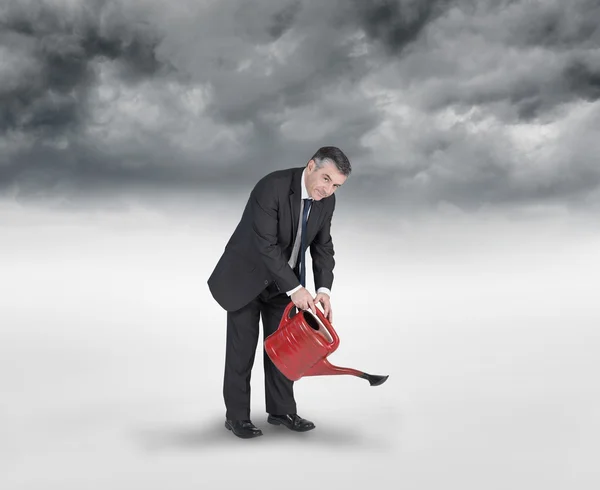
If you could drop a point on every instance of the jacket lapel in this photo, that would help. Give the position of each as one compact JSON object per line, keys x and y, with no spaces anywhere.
{"x":295,"y":197}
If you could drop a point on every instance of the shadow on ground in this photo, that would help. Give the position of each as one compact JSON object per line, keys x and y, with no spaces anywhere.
{"x":211,"y":433}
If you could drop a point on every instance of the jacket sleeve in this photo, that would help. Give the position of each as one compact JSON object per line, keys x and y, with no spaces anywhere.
{"x":264,"y":205}
{"x":321,"y":251}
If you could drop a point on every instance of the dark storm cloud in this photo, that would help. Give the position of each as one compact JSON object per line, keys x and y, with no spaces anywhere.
{"x":583,"y":80}
{"x":45,"y":168}
{"x":255,"y":73}
{"x":397,"y":23}
{"x":519,"y":60}
{"x":474,"y":170}
{"x":440,"y":101}
{"x":530,"y":93}
{"x":558,"y":25}
{"x":62,"y":46}
{"x":281,"y":21}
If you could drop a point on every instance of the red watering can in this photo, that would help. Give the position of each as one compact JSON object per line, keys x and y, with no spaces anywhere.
{"x":301,"y":344}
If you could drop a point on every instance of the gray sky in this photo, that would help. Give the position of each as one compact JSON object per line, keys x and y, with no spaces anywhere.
{"x":466,"y":103}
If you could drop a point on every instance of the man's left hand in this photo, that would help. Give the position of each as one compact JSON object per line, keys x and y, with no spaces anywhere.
{"x":324,"y":300}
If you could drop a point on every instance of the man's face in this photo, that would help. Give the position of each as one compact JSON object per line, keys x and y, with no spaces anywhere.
{"x":324,"y":181}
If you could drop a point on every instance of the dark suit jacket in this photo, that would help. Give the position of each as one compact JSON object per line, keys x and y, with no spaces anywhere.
{"x":258,"y":252}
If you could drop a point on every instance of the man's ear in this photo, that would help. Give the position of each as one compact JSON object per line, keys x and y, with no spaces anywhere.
{"x":310,"y":165}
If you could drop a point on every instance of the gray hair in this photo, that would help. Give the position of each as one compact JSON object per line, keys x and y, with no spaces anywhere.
{"x":331,"y":154}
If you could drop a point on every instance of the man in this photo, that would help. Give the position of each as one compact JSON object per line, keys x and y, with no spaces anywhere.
{"x":262,"y":270}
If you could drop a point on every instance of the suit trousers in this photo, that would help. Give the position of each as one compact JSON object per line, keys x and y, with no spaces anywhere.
{"x":242,"y":340}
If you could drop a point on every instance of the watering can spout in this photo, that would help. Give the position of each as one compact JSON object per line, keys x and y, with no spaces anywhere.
{"x":324,"y":367}
{"x":375,"y":379}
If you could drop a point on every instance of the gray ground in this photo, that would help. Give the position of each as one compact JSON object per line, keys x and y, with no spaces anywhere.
{"x":111,"y":353}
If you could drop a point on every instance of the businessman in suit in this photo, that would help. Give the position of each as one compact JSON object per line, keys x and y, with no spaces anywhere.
{"x":263,"y":268}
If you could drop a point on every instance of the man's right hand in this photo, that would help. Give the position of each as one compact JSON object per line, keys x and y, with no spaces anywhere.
{"x":304,"y":300}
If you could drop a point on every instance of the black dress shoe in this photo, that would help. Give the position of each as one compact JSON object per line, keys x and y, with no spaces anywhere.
{"x":243,"y":428}
{"x":292,"y":421}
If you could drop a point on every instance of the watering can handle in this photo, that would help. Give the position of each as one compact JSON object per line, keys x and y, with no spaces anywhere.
{"x":286,"y":314}
{"x":336,"y":340}
{"x":324,"y":321}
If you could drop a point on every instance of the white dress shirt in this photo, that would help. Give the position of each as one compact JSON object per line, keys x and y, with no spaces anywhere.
{"x":305,"y":195}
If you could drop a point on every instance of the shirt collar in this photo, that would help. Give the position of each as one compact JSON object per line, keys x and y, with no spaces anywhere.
{"x":305,"y":194}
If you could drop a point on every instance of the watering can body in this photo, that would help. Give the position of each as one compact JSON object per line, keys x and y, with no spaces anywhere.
{"x":301,"y":344}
